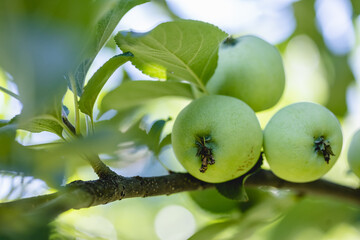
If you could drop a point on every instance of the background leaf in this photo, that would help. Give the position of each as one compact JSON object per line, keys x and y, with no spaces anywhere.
{"x":7,"y":136}
{"x":39,"y":48}
{"x":214,"y":231}
{"x":179,"y":50}
{"x":4,"y":123}
{"x":43,"y":123}
{"x":40,"y":123}
{"x":164,"y":142}
{"x":338,"y":72}
{"x":211,"y":200}
{"x":38,"y":163}
{"x":133,"y":93}
{"x":314,"y":214}
{"x":98,"y":80}
{"x":154,"y":135}
{"x":151,"y":139}
{"x":233,"y":189}
{"x":104,"y":28}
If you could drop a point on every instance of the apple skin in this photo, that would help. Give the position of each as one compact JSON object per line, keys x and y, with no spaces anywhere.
{"x":236,"y":137}
{"x":354,"y":154}
{"x":289,"y":144}
{"x":251,"y":70}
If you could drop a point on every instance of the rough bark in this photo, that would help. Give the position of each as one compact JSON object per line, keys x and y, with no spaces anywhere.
{"x":84,"y":194}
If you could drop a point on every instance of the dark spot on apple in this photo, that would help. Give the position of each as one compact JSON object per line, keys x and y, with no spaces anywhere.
{"x":240,"y":168}
{"x":322,"y":146}
{"x":251,"y":154}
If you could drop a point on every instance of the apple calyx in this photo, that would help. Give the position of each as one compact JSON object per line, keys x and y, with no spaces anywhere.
{"x":204,"y":151}
{"x":323,"y":146}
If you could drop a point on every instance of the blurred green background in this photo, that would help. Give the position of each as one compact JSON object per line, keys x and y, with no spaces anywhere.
{"x":320,"y":45}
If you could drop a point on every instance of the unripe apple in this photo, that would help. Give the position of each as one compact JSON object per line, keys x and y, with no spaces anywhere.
{"x":251,"y":70}
{"x":217,"y":138}
{"x":302,"y":142}
{"x":354,"y":154}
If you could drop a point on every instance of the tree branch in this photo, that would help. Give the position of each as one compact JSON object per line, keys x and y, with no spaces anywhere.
{"x":84,"y":194}
{"x":316,"y":188}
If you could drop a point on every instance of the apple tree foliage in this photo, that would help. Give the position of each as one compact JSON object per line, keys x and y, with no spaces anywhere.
{"x":46,"y":50}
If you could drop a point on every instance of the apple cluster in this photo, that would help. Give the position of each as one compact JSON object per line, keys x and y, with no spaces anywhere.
{"x":218,"y":137}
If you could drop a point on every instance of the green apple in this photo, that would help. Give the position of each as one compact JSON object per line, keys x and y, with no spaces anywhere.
{"x":302,"y":142}
{"x":251,"y":70}
{"x":354,"y":154}
{"x":217,"y":138}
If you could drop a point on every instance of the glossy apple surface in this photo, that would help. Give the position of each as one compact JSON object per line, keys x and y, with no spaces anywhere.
{"x":251,"y":70}
{"x":302,"y":142}
{"x":225,"y":128}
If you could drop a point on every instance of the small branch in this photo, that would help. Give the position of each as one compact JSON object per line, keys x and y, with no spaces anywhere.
{"x":100,"y":168}
{"x":76,"y":104}
{"x":69,"y":125}
{"x":84,"y":194}
{"x":10,"y":93}
{"x":316,"y":188}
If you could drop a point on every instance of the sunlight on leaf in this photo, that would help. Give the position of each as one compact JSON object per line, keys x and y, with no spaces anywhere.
{"x":186,"y":49}
{"x":98,"y":80}
{"x":155,"y":70}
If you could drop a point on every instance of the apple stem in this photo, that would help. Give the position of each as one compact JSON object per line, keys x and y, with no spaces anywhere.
{"x":323,"y":146}
{"x":230,"y":41}
{"x":204,"y":152}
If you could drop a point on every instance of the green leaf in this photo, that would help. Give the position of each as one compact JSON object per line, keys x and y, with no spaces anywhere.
{"x":233,"y":189}
{"x":134,"y":93}
{"x":104,"y":29}
{"x":340,"y":77}
{"x":7,"y":136}
{"x":214,"y":231}
{"x":325,"y":214}
{"x":3,"y":123}
{"x":356,"y":7}
{"x":38,"y":163}
{"x":98,"y":80}
{"x":104,"y":141}
{"x":43,"y":123}
{"x":179,"y":50}
{"x":19,"y":224}
{"x":42,"y":45}
{"x":165,"y":142}
{"x":260,"y":216}
{"x":245,"y":225}
{"x":152,"y":139}
{"x":155,"y":134}
{"x":212,"y":201}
